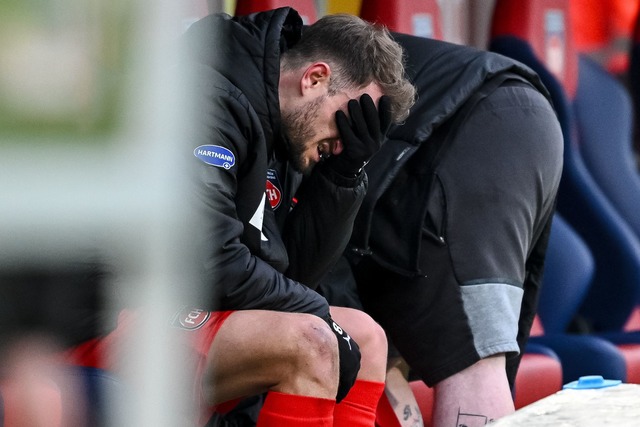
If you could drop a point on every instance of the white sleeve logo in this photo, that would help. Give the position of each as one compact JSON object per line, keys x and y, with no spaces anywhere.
{"x":258,"y":217}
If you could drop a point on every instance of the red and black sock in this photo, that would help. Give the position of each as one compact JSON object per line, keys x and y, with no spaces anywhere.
{"x":358,"y":408}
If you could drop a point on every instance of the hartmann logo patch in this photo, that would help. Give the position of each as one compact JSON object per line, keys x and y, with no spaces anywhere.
{"x":215,"y":155}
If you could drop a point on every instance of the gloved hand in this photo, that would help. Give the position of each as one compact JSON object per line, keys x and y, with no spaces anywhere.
{"x":361,"y":136}
{"x":349,"y":359}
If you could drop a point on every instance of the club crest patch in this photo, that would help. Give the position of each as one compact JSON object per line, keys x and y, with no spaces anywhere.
{"x":274,"y":192}
{"x":215,"y":155}
{"x":191,"y":318}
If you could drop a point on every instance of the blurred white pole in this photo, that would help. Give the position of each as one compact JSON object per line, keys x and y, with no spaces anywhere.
{"x":120,"y":193}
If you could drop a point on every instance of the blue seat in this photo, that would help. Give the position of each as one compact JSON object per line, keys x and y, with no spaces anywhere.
{"x":634,"y":76}
{"x":604,"y":121}
{"x":634,"y":86}
{"x":537,"y":33}
{"x":604,"y":117}
{"x":581,"y":201}
{"x":569,"y":270}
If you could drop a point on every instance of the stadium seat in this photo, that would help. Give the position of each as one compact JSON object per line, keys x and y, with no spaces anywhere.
{"x":424,"y":397}
{"x":569,"y":271}
{"x":536,"y":32}
{"x":533,"y":32}
{"x":539,"y":375}
{"x":604,"y":118}
{"x":634,"y":84}
{"x":602,"y":29}
{"x":306,"y":8}
{"x":416,"y":17}
{"x":604,"y":121}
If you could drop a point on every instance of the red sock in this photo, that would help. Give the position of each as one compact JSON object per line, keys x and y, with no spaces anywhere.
{"x":358,"y":409}
{"x":385,"y":415}
{"x":291,"y":410}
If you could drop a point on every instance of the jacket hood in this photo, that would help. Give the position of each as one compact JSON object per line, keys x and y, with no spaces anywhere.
{"x":446,"y":75}
{"x":259,"y":39}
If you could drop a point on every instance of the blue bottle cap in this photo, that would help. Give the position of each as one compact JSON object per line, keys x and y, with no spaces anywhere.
{"x":591,"y":381}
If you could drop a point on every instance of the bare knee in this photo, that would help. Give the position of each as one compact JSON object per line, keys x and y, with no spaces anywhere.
{"x":313,"y":359}
{"x":292,"y":353}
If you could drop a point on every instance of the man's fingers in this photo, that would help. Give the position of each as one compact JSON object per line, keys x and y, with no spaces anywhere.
{"x":357,"y":118}
{"x":370,"y":114}
{"x":344,"y":127}
{"x":384,"y":112}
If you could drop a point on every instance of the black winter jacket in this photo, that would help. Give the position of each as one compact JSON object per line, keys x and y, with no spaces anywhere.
{"x":260,"y":250}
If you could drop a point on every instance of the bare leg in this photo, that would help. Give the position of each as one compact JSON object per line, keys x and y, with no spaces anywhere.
{"x":256,"y":351}
{"x":474,"y":396}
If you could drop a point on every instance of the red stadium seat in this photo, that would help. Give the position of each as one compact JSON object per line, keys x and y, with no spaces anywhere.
{"x":631,"y":352}
{"x":539,"y":375}
{"x":603,"y":29}
{"x":306,"y":8}
{"x":633,"y":322}
{"x":545,"y":25}
{"x":417,"y":17}
{"x":424,"y":397}
{"x":540,"y":371}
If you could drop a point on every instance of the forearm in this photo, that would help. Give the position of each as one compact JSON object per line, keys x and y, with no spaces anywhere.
{"x":319,"y":228}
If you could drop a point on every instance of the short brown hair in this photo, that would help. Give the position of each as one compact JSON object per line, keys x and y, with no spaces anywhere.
{"x":359,"y":53}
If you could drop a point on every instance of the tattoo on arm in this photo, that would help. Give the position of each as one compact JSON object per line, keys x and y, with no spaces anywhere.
{"x":471,"y":420}
{"x":410,"y":417}
{"x":407,"y":412}
{"x":392,"y":399}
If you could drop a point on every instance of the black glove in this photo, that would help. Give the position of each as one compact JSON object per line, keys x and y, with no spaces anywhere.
{"x":362,"y":136}
{"x":349,"y":359}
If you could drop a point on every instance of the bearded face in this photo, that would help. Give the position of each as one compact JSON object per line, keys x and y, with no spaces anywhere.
{"x":299,"y":127}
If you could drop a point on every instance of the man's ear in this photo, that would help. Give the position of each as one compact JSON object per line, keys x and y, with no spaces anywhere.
{"x":316,"y":77}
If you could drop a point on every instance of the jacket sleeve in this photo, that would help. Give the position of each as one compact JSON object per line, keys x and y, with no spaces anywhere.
{"x":319,"y":227}
{"x":237,"y":278}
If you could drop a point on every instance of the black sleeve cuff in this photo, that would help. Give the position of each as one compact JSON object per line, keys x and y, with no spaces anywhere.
{"x":341,"y":180}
